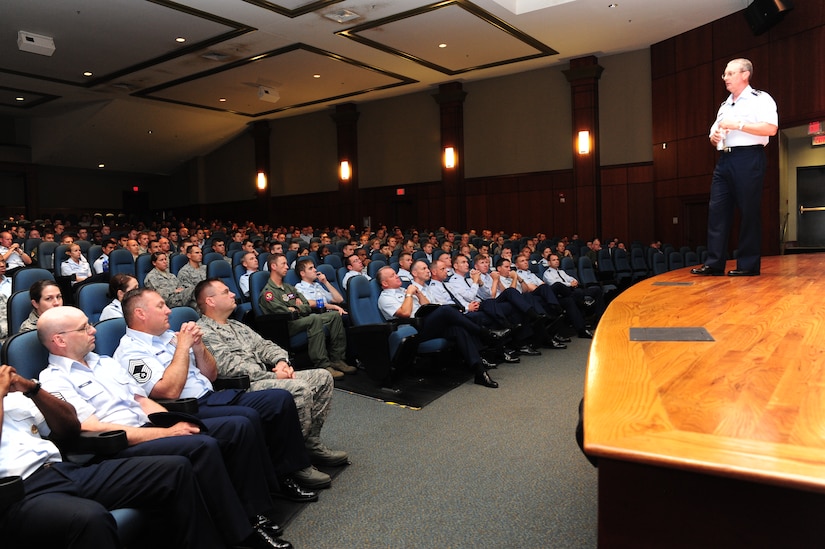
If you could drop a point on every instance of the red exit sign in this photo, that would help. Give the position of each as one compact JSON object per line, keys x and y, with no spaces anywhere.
{"x":818,"y":140}
{"x":814,"y":127}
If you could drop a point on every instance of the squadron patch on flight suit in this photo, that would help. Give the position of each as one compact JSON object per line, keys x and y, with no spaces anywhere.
{"x":139,"y":370}
{"x":269,"y":296}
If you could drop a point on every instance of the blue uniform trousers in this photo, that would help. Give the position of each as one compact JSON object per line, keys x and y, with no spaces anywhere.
{"x":66,"y":505}
{"x":274,"y":419}
{"x":229,"y":468}
{"x":737,"y":183}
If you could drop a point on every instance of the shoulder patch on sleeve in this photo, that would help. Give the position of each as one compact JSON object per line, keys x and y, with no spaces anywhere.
{"x":139,"y":370}
{"x":268,"y":295}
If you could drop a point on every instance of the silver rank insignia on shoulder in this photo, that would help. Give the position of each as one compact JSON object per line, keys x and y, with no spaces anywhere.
{"x":139,"y":370}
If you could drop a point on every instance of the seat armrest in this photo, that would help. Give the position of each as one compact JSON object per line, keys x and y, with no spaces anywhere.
{"x":241,"y":381}
{"x":186,"y":405}
{"x":101,"y":443}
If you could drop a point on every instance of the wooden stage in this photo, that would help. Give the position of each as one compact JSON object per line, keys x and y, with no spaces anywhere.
{"x":712,"y":443}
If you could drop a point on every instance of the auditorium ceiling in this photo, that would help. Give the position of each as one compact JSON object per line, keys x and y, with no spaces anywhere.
{"x":144,"y":85}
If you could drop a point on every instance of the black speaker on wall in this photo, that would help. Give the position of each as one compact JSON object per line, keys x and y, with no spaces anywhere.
{"x":764,"y":14}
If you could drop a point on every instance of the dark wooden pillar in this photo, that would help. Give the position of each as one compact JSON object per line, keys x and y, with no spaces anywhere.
{"x":346,"y":120}
{"x":260,"y":134}
{"x":583,"y":75}
{"x":450,"y":98}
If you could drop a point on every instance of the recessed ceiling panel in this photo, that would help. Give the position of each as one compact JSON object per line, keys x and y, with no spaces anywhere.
{"x":295,"y":76}
{"x":137,"y":34}
{"x":293,"y":8}
{"x":23,"y":99}
{"x":453,"y":37}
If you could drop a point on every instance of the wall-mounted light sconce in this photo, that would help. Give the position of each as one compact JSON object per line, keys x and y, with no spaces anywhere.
{"x":584,"y":142}
{"x":345,"y":172}
{"x":261,"y":181}
{"x":449,"y":158}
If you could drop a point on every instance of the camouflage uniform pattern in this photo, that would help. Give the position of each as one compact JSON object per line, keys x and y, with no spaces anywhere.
{"x":240,"y":350}
{"x":30,"y":323}
{"x":166,"y":284}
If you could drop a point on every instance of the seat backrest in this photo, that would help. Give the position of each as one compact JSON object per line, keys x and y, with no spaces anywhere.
{"x":26,"y":354}
{"x":291,"y":255}
{"x":18,"y":309}
{"x":234,"y":246}
{"x":95,"y":251}
{"x":237,"y":256}
{"x":333,"y":261}
{"x":143,"y":264}
{"x":59,"y":257}
{"x":329,"y":272}
{"x":569,"y":267}
{"x":587,"y":275}
{"x":22,"y":279}
{"x":179,"y":315}
{"x":675,"y":260}
{"x":31,"y":244}
{"x":177,"y":262}
{"x":85,"y":245}
{"x":292,"y":277}
{"x":620,"y":261}
{"x":108,"y":335}
{"x":223,"y":271}
{"x":340,"y":273}
{"x":419,"y":254}
{"x":45,"y":255}
{"x":212,"y":256}
{"x":373,"y":267}
{"x":691,"y":259}
{"x":121,"y":261}
{"x":637,"y":260}
{"x":363,"y":306}
{"x":92,"y":299}
{"x":659,"y":264}
{"x":257,"y":281}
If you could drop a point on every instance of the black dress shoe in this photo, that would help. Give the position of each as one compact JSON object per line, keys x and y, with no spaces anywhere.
{"x":267,"y":525}
{"x":488,"y":364}
{"x":585,"y":334}
{"x":742,"y":272}
{"x":483,"y":378}
{"x":561,"y":339}
{"x":704,"y":270}
{"x":291,"y":490}
{"x":529,"y":350}
{"x":497,"y":335}
{"x":553,"y":344}
{"x":260,"y":539}
{"x":511,"y":357}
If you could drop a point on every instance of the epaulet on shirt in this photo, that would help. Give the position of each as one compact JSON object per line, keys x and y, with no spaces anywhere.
{"x":756,"y":92}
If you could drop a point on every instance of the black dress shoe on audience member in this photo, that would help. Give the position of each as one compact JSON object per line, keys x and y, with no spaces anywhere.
{"x":488,"y":364}
{"x":291,"y":490}
{"x":483,"y":378}
{"x":553,"y":344}
{"x":260,"y":539}
{"x":589,"y":301}
{"x":742,"y":272}
{"x":511,"y":357}
{"x":561,"y":339}
{"x":497,"y":335}
{"x":585,"y":334}
{"x":704,"y":270}
{"x":529,"y":350}
{"x":267,"y":525}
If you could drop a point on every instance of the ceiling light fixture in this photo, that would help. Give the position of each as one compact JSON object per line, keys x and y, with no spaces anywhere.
{"x":215,"y":56}
{"x":342,"y":16}
{"x":222,"y":99}
{"x":613,"y":5}
{"x":180,"y":39}
{"x":442,"y":45}
{"x":316,"y":76}
{"x":19,"y":98}
{"x":101,"y":165}
{"x":87,"y":74}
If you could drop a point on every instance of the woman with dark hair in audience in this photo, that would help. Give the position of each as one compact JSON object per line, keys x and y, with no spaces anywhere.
{"x":119,"y":285}
{"x":167,"y":284}
{"x":45,"y":294}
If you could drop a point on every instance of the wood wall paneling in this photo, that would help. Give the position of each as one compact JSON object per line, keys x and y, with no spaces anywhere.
{"x":694,"y":104}
{"x":693,"y":48}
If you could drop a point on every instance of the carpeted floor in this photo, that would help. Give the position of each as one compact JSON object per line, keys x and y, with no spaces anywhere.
{"x":421,"y":387}
{"x":477,"y":468}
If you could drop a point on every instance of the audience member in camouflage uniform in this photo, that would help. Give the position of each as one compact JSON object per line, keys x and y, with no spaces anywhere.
{"x":167,"y":284}
{"x":45,"y":294}
{"x":240,"y":350}
{"x":193,"y":272}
